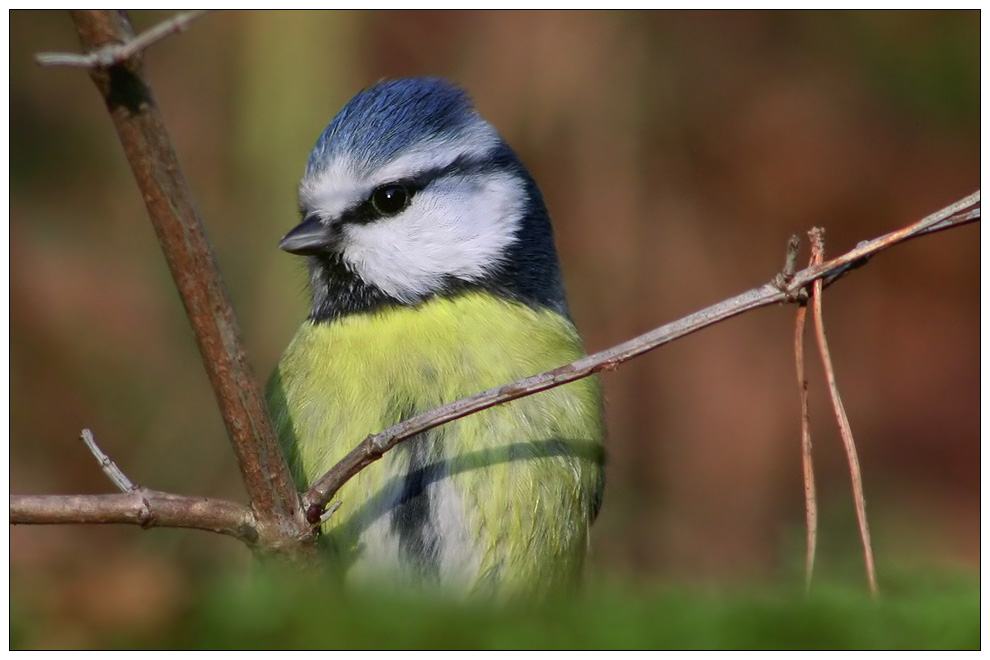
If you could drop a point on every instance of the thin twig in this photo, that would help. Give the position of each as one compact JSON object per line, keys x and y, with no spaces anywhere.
{"x":332,"y":509}
{"x":374,"y":446}
{"x":115,"y":53}
{"x":951,"y":216}
{"x":114,"y":473}
{"x":807,"y":467}
{"x":818,"y":250}
{"x":785,"y":276}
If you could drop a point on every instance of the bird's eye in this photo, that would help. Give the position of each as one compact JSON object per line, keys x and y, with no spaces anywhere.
{"x":390,"y":198}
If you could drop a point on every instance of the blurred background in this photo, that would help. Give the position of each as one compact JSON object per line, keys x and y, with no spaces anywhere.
{"x":677,"y":152}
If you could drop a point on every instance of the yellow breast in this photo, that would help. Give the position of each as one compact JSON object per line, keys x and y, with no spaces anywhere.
{"x":499,"y":501}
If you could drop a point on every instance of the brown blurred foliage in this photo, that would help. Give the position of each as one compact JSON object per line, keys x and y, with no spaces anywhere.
{"x":677,"y":153}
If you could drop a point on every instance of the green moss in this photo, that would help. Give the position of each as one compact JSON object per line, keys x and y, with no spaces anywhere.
{"x":274,"y":610}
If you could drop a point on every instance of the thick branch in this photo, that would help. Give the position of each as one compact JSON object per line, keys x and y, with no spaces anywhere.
{"x":783,"y":289}
{"x":146,"y":508}
{"x":190,"y":258}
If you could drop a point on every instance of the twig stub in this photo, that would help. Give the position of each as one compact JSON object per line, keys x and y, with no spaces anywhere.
{"x":114,"y":473}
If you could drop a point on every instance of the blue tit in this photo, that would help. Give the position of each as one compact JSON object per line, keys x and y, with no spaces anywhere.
{"x":434,"y":276}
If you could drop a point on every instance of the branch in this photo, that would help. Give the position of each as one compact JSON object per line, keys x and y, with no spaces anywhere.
{"x":135,"y":506}
{"x":147,"y":508}
{"x":113,"y":54}
{"x":190,"y":258}
{"x":782,"y":289}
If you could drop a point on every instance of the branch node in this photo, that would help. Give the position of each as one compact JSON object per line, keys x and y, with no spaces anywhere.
{"x":783,"y":279}
{"x":314,"y":512}
{"x":146,"y":516}
{"x":609,"y":365}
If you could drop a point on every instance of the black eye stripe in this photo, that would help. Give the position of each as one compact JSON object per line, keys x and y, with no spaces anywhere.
{"x":366,"y":211}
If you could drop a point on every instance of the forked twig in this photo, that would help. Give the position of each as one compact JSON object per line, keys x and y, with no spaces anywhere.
{"x":143,"y":507}
{"x":113,"y":54}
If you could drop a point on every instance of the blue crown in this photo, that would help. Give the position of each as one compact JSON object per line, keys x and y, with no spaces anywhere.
{"x":389,"y":117}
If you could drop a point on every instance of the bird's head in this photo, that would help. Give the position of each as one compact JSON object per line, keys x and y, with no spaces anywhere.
{"x":410,"y":194}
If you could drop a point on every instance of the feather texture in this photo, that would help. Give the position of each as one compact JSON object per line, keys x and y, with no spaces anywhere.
{"x":498,"y":502}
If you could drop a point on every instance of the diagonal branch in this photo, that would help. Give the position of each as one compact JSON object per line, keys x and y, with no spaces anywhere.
{"x":190,"y":258}
{"x":782,"y":289}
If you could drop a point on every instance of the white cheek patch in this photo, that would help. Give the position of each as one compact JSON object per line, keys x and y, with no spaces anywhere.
{"x":457,"y":227}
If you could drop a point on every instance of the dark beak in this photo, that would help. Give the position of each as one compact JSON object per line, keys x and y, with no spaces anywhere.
{"x":308,"y":237}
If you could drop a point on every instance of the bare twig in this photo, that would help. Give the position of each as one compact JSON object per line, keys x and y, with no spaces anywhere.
{"x":190,"y":258}
{"x":115,"y":53}
{"x":332,"y":509}
{"x":114,"y":473}
{"x":374,"y":446}
{"x":951,"y":216}
{"x":147,"y":508}
{"x":817,"y":251}
{"x":784,"y":277}
{"x":807,"y":467}
{"x":136,"y":506}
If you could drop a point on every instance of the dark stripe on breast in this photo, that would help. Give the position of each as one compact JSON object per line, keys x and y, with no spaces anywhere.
{"x":414,"y":517}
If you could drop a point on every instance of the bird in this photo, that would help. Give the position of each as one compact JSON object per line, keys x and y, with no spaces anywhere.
{"x":434,"y":275}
